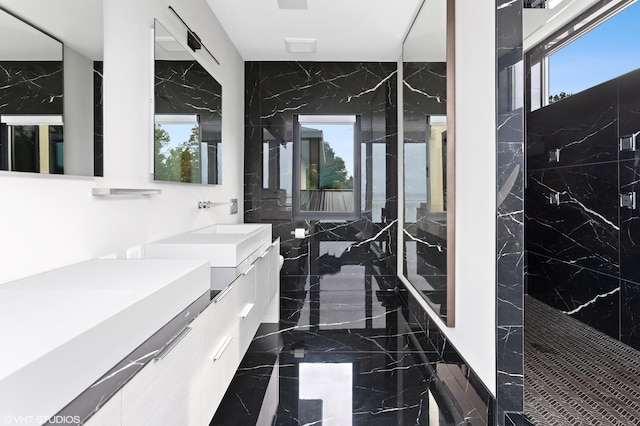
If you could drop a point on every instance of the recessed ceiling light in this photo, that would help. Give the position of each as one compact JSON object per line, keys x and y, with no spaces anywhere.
{"x":293,"y":4}
{"x":301,"y":45}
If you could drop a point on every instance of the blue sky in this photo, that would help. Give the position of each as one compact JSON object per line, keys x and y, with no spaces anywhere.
{"x":607,"y":51}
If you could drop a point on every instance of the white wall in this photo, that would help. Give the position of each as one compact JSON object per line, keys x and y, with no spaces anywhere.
{"x":78,"y":109}
{"x":474,"y":334}
{"x":51,"y":221}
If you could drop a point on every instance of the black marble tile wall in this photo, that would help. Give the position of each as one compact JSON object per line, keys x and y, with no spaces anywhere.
{"x":582,"y":244}
{"x":510,"y":162}
{"x":31,"y":87}
{"x":450,"y":375}
{"x":425,"y":231}
{"x":583,"y":228}
{"x":183,"y":87}
{"x":98,"y":119}
{"x":586,"y":294}
{"x":274,"y":92}
{"x":581,"y":129}
{"x":28,"y":87}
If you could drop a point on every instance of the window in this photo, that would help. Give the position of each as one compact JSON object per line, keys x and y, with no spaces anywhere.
{"x":425,"y":192}
{"x":326,"y":166}
{"x":32,"y":143}
{"x":597,"y":46}
{"x":603,"y":53}
{"x":177,"y":148}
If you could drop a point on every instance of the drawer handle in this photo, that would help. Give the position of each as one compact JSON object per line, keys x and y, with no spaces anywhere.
{"x":249,"y":270}
{"x":273,"y":244}
{"x":223,"y":348}
{"x":247,"y":310}
{"x":223,"y":294}
{"x":264,"y":254}
{"x":172,"y":344}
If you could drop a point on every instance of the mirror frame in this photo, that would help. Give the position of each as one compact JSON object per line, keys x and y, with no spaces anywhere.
{"x":451,"y":161}
{"x":449,"y":319}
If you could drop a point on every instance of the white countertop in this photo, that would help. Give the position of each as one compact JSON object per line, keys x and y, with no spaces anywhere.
{"x":63,"y":329}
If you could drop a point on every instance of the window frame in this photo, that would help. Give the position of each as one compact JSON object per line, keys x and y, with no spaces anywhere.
{"x":575,"y":29}
{"x":357,"y":172}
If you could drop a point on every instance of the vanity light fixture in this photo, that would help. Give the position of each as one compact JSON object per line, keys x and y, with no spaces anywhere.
{"x":193,"y":40}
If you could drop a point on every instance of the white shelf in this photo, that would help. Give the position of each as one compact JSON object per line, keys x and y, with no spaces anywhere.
{"x":124,"y":191}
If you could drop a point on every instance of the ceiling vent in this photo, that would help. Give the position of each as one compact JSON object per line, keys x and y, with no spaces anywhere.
{"x":293,"y":4}
{"x":301,"y":45}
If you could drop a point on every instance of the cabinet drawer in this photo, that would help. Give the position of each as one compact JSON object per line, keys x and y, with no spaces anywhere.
{"x":219,"y":370}
{"x":220,"y":323}
{"x":249,"y":315}
{"x":168,"y":390}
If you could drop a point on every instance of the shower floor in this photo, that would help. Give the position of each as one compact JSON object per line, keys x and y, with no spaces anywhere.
{"x":575,"y":375}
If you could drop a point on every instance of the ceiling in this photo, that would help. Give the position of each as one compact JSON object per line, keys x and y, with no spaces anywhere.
{"x":538,"y":24}
{"x":83,"y":35}
{"x":345,"y":30}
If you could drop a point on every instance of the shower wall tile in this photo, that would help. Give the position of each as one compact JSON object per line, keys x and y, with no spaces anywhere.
{"x":582,"y":128}
{"x":629,"y":110}
{"x":582,"y":254}
{"x":583,"y":229}
{"x":510,"y":233}
{"x":630,"y":314}
{"x":510,"y":367}
{"x":510,"y":177}
{"x":585,"y":294}
{"x":630,"y":222}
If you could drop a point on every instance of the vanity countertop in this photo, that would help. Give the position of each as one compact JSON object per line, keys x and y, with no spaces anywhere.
{"x":63,"y":329}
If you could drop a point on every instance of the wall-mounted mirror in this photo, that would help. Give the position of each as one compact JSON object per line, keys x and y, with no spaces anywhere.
{"x":427,"y":56}
{"x":188,"y":115}
{"x":35,"y":135}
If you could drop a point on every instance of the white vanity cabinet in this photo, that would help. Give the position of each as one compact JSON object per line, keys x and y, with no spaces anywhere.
{"x":186,"y":386}
{"x":167,"y":391}
{"x":262,"y":282}
{"x":110,"y":414}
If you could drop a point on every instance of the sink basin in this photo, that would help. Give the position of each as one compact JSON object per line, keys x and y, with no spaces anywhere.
{"x":224,"y":246}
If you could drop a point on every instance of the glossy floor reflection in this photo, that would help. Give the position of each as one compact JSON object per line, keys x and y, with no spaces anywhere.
{"x":348,"y":351}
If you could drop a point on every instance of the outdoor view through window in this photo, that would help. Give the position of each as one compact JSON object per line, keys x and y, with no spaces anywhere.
{"x":605,"y":52}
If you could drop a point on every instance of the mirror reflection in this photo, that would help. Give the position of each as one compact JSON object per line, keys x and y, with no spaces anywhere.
{"x":188,"y":118}
{"x":327,"y":162}
{"x":34,"y":135}
{"x":31,"y":103}
{"x":425,"y":158}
